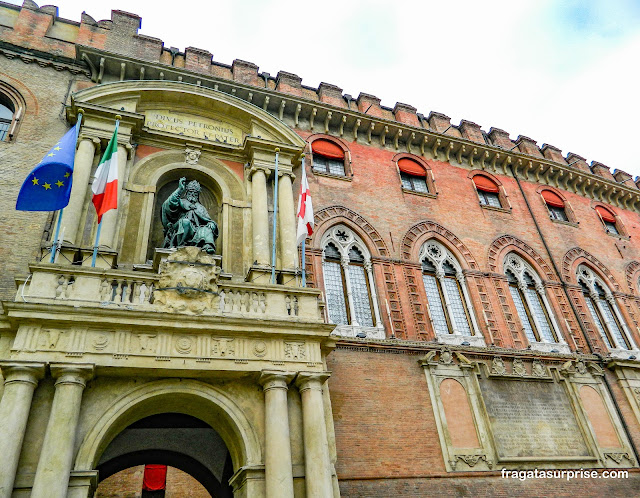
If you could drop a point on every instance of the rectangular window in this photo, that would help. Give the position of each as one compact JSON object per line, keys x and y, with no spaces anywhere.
{"x":458,"y":312}
{"x":328,"y":165}
{"x":612,"y":323}
{"x":522,"y":313}
{"x":557,"y":213}
{"x":598,"y":322}
{"x":489,"y":198}
{"x":537,"y":310}
{"x":415,"y":183}
{"x":435,"y":304}
{"x":336,"y":305}
{"x":360,"y":295}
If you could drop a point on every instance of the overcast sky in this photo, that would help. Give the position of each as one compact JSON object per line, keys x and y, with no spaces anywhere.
{"x":563,"y":72}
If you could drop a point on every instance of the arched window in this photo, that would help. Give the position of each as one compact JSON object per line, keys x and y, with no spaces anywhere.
{"x":488,"y":191}
{"x":555,"y":205}
{"x":349,"y":284}
{"x":604,"y":311}
{"x":608,"y":219}
{"x":7,"y":110}
{"x":531,"y":303}
{"x":447,"y":298}
{"x":328,"y":157}
{"x":412,"y":175}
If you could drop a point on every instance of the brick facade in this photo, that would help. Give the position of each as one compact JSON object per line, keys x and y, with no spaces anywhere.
{"x":387,"y":438}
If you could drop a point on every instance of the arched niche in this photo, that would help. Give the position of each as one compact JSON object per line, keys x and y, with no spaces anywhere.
{"x":210,"y":197}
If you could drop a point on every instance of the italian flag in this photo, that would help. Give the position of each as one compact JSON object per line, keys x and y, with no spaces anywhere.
{"x":105,"y":184}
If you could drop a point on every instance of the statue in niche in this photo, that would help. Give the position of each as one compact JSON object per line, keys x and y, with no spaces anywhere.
{"x":186,"y":222}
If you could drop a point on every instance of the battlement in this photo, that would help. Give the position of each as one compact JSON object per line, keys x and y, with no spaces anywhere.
{"x":41,"y":29}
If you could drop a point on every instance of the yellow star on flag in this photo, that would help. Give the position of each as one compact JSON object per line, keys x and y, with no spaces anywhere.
{"x":51,"y":154}
{"x":47,"y":186}
{"x":57,"y":148}
{"x":67,"y":174}
{"x":34,"y":181}
{"x":59,"y":183}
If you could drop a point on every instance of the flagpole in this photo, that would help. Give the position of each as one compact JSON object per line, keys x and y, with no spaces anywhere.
{"x":304,"y":274}
{"x":95,"y":246}
{"x":54,"y":247}
{"x":275,"y":222}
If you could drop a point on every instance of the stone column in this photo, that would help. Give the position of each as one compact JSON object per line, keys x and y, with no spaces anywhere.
{"x":317,"y":464}
{"x":260,"y":217}
{"x":81,"y":174}
{"x":108,"y":235}
{"x":20,"y":380}
{"x":277,"y":461}
{"x":56,"y":456}
{"x":286,"y":222}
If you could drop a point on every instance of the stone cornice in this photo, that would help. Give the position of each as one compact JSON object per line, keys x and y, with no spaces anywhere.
{"x":316,"y":116}
{"x":43,"y":59}
{"x":153,"y":320}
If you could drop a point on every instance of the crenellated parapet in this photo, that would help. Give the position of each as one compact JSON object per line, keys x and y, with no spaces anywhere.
{"x":114,"y":50}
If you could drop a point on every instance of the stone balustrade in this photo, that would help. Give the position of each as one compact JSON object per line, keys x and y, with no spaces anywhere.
{"x":97,"y":287}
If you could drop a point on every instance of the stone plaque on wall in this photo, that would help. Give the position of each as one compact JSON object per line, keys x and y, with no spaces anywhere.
{"x":193,"y":126}
{"x":531,"y":420}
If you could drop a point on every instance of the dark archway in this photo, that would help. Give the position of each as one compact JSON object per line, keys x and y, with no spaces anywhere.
{"x":176,"y":440}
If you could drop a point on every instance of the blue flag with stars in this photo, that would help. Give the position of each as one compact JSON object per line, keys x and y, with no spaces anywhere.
{"x":48,"y":186}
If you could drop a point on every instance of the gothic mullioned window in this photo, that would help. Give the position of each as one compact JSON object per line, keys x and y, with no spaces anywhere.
{"x":531,"y":303}
{"x":447,"y":297}
{"x":349,"y":285}
{"x":604,"y":311}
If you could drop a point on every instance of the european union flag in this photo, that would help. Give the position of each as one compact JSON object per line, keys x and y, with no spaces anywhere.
{"x":48,"y":186}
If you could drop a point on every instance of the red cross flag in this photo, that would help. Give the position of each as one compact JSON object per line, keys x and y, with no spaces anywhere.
{"x":305,"y":209}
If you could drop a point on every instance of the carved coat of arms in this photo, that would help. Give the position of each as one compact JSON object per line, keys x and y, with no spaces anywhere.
{"x":188,"y":282}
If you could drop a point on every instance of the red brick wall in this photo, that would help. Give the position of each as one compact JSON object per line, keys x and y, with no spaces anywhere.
{"x":128,"y":484}
{"x":383,"y":418}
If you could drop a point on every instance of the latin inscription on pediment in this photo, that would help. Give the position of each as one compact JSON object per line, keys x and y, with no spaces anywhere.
{"x":189,"y":125}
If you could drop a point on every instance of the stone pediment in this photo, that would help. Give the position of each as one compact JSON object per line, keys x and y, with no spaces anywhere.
{"x":198,"y":109}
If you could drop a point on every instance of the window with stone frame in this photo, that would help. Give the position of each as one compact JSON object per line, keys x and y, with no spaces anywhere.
{"x":448,"y":301}
{"x":488,"y":191}
{"x":413,"y":176}
{"x":609,"y":221}
{"x":604,"y":311}
{"x":555,"y":206}
{"x":530,"y":300}
{"x":328,"y":157}
{"x":348,"y":279}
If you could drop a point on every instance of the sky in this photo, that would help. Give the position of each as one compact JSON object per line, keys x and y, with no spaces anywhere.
{"x":563,"y":72}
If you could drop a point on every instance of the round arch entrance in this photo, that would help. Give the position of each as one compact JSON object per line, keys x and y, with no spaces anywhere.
{"x":175,"y":440}
{"x":186,"y":424}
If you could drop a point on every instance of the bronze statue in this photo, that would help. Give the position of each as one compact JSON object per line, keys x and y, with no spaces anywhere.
{"x":186,"y":222}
